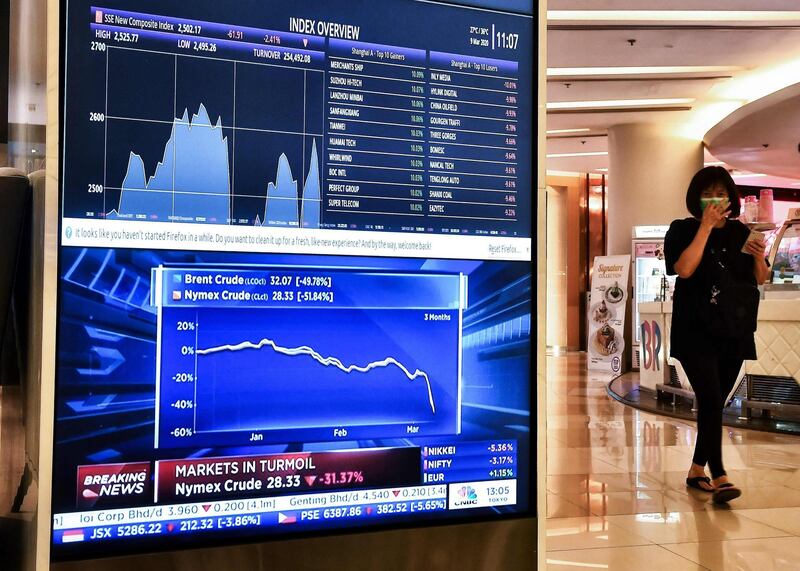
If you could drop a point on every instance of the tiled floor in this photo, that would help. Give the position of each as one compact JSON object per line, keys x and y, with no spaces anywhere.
{"x":616,"y":494}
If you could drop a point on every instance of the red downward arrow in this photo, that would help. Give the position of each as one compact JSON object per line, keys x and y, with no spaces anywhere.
{"x":310,"y":480}
{"x":396,"y":493}
{"x":206,"y":507}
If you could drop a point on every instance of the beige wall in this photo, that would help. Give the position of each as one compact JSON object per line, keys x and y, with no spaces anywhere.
{"x":566,"y":259}
{"x":557,"y":237}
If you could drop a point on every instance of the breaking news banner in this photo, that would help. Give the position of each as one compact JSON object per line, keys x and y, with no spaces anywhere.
{"x":110,"y":485}
{"x":247,"y":476}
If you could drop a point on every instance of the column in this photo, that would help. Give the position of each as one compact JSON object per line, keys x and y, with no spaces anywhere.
{"x":650,"y":168}
{"x":557,"y":267}
{"x":649,"y":171}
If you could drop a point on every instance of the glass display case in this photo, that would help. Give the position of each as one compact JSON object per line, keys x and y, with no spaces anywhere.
{"x":650,"y":280}
{"x":785,"y":257}
{"x":649,"y":273}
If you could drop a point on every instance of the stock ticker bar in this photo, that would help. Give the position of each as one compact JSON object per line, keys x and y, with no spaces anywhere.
{"x":309,"y":510}
{"x":261,"y":491}
{"x":369,"y":136}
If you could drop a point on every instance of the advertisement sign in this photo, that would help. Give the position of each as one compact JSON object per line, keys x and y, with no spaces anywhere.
{"x":606,"y":342}
{"x":653,"y":368}
{"x":648,"y":249}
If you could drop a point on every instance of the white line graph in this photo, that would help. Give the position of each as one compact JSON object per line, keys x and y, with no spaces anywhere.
{"x":120,"y":59}
{"x":326,"y":361}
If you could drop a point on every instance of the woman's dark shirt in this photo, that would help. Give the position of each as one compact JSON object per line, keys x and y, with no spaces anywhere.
{"x":690,"y":333}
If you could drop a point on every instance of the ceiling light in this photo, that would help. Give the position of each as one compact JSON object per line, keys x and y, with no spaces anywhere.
{"x":611,"y":103}
{"x":562,"y":173}
{"x":602,"y":170}
{"x":586,"y":154}
{"x":558,"y":131}
{"x":683,"y":16}
{"x":577,"y":564}
{"x":714,"y":164}
{"x":753,"y":175}
{"x":638,"y":70}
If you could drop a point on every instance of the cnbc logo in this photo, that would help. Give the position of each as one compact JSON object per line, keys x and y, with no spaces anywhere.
{"x":467,"y":496}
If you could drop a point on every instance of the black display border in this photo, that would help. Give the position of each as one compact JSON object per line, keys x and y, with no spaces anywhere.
{"x":149,"y":545}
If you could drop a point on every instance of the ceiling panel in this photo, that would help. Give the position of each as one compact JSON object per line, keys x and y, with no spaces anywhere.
{"x":746,"y":48}
{"x":578,"y":164}
{"x":605,"y":120}
{"x":762,"y":137}
{"x":588,"y":48}
{"x":588,"y":144}
{"x":652,"y":89}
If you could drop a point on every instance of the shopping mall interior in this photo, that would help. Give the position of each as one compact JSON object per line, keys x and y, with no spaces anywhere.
{"x":639,"y":98}
{"x":177,"y":181}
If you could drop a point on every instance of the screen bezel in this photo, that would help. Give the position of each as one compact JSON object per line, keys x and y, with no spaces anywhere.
{"x":85,"y":551}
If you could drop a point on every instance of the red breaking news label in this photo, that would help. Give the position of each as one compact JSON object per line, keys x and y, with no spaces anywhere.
{"x":107,"y":485}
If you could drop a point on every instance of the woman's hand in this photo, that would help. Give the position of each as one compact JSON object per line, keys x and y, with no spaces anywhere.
{"x":714,"y":214}
{"x":756,"y":248}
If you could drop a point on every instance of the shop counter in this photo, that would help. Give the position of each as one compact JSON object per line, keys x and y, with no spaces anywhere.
{"x":774,"y":377}
{"x":777,"y":339}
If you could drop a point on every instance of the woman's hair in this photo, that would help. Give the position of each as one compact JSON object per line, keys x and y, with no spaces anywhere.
{"x":706,"y":178}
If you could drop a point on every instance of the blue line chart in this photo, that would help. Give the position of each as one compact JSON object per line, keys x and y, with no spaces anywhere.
{"x":327,"y":361}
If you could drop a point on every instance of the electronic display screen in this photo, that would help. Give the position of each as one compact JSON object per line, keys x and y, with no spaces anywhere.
{"x":295,"y":282}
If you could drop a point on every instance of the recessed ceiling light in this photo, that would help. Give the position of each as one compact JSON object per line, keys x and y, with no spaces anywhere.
{"x":558,"y":131}
{"x":638,"y":70}
{"x":684,"y":16}
{"x":752,"y":175}
{"x":586,"y":154}
{"x":610,"y":103}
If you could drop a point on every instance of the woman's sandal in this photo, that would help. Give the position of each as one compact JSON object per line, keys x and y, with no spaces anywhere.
{"x":695,"y":483}
{"x":725,"y":493}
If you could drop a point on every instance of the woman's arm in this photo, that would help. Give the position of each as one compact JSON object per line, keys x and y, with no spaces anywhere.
{"x":693,"y":254}
{"x":760,"y":269}
{"x":690,"y":258}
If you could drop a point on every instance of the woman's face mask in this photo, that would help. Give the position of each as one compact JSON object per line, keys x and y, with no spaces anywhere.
{"x":704,"y":202}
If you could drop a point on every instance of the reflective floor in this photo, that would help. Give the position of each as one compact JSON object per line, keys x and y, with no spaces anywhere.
{"x":616,"y":493}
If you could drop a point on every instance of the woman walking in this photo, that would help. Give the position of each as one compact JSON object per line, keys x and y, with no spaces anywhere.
{"x":715,"y":307}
